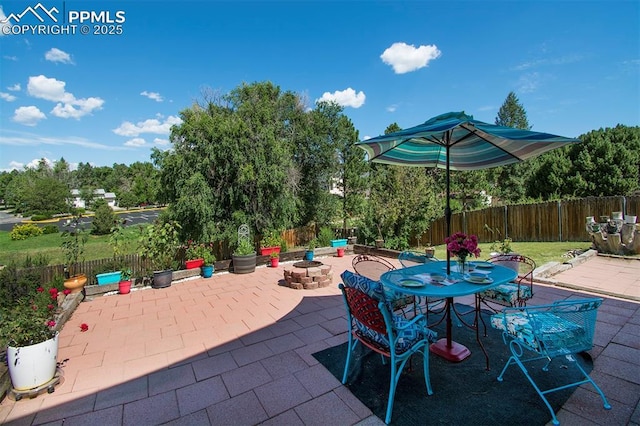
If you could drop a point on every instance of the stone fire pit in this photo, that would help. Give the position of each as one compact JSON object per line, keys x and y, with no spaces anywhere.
{"x":308,"y":275}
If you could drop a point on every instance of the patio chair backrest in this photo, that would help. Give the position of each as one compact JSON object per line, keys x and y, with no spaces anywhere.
{"x":523,"y":265}
{"x":371,"y":266}
{"x":561,"y":328}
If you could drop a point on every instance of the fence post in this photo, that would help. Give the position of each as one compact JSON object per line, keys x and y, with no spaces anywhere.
{"x":506,"y":222}
{"x":559,"y":219}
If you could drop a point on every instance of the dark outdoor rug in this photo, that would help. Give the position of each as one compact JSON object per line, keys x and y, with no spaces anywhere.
{"x":463,"y":393}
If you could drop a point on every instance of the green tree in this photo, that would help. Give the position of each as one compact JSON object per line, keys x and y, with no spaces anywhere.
{"x":607,"y":162}
{"x":104,"y":219}
{"x":402,"y":202}
{"x":509,"y":182}
{"x":351,"y":173}
{"x":241,"y":144}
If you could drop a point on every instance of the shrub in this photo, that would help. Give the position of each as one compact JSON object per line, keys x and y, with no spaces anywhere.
{"x":103,"y":220}
{"x":325,"y":236}
{"x":50,"y":229}
{"x":38,"y":217}
{"x":22,"y":232}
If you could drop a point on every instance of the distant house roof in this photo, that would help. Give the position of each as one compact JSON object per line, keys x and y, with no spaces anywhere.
{"x":110,"y":195}
{"x":75,"y":192}
{"x":99,"y":191}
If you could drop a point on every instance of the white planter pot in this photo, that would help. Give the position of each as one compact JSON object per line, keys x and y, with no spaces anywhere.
{"x":34,"y":365}
{"x":630,"y":219}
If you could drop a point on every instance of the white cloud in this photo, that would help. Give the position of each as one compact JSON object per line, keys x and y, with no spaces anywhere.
{"x":49,"y":89}
{"x":406,"y":58}
{"x":57,"y":55}
{"x":528,"y":83}
{"x":28,"y":116}
{"x":392,"y":108}
{"x":82,"y":107}
{"x":347,"y":97}
{"x":159,"y":141}
{"x":27,"y":140}
{"x":135,"y":142}
{"x":33,"y":164}
{"x":151,"y":125}
{"x":14,"y":88}
{"x":152,"y":95}
{"x":7,"y":97}
{"x":68,"y":106}
{"x":15,"y":165}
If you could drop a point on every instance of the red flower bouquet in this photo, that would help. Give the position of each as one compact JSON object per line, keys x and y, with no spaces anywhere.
{"x":462,"y":245}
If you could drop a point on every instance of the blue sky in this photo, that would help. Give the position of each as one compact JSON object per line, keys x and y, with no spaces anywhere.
{"x":105,"y":99}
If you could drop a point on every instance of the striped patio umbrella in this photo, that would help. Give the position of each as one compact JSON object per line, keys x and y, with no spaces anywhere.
{"x":455,"y":141}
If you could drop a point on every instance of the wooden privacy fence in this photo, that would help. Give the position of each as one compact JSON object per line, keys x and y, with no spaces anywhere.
{"x":549,"y":221}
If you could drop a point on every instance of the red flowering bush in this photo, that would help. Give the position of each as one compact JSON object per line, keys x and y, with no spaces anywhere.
{"x":461,"y":245}
{"x":31,"y":319}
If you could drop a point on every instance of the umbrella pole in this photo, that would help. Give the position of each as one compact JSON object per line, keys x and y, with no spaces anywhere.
{"x":447,"y":210}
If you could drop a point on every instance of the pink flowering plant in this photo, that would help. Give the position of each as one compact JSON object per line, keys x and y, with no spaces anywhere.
{"x":31,"y":318}
{"x":200,"y":251}
{"x":462,"y":245}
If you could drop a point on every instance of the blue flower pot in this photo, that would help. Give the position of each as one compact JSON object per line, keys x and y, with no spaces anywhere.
{"x":108,"y":278}
{"x":207,"y":271}
{"x":308,"y":255}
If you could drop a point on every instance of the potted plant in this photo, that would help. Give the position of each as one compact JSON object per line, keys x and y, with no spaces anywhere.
{"x":124,"y":286}
{"x":209,"y":258}
{"x":244,"y":257}
{"x":275,"y":258}
{"x":194,"y":255}
{"x":29,"y":334}
{"x":308,"y":255}
{"x":73,"y":241}
{"x":270,"y":243}
{"x":158,"y":244}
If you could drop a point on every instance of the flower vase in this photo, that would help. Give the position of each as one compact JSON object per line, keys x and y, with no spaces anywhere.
{"x":462,"y":265}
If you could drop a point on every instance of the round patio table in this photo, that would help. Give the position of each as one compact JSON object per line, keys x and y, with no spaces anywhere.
{"x":417,"y":280}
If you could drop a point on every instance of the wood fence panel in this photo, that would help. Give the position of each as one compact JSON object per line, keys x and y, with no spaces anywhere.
{"x":633,"y":206}
{"x":575,"y":212}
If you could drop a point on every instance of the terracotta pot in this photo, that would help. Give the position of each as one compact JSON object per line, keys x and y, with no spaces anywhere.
{"x":340,"y":251}
{"x":75,"y":283}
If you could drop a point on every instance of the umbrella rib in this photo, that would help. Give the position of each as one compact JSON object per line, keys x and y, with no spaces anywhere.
{"x":479,"y":133}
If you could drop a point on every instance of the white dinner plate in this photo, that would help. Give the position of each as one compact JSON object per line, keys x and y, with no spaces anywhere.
{"x":410,"y":282}
{"x":485,"y":280}
{"x":485,"y":265}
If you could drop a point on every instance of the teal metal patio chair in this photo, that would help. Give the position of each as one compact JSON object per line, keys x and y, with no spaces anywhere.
{"x":516,"y":292}
{"x":561,"y":329}
{"x":372,"y":323}
{"x":373,"y":267}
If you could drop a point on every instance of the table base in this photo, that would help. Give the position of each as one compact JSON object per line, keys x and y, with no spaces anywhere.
{"x":454,"y":353}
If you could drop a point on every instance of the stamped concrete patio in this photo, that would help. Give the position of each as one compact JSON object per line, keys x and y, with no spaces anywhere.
{"x":236,"y":349}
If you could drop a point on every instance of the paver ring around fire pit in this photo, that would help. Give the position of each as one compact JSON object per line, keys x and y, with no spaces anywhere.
{"x":308,"y":275}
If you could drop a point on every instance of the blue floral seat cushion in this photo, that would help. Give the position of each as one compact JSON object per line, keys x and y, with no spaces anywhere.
{"x":543,"y":332}
{"x":507,"y":294}
{"x":407,"y":336}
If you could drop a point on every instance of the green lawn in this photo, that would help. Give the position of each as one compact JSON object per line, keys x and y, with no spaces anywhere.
{"x":541,"y":253}
{"x":97,"y":247}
